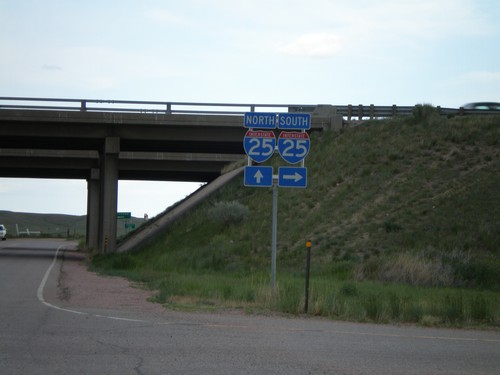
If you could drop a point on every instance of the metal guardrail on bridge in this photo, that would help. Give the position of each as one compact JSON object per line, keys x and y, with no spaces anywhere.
{"x":159,"y":107}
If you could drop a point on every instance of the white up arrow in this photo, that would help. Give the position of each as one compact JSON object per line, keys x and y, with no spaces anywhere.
{"x":258,"y":176}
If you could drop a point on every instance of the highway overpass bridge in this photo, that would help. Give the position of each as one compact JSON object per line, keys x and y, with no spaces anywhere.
{"x":103,"y":141}
{"x":106,"y":141}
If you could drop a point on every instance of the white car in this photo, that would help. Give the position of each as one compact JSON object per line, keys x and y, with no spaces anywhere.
{"x":3,"y":232}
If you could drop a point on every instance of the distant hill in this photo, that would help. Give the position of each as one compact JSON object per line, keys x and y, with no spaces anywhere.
{"x":53,"y":225}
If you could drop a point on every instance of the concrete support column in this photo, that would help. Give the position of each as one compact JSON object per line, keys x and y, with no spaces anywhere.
{"x":108,"y":195}
{"x":92,"y":239}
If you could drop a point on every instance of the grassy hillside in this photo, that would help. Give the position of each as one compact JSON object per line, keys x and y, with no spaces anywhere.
{"x":394,"y":190}
{"x":408,"y":200}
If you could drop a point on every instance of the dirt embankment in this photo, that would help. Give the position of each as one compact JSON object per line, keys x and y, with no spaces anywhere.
{"x":79,"y":287}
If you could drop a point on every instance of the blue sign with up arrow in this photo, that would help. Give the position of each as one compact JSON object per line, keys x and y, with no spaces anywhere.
{"x":292,"y":177}
{"x":258,"y":176}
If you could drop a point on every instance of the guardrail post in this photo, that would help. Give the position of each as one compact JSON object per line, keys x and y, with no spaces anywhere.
{"x":461,"y":111}
{"x":372,"y":111}
{"x":83,"y":106}
{"x":349,"y":112}
{"x":360,"y":112}
{"x":169,"y":108}
{"x":394,"y":110}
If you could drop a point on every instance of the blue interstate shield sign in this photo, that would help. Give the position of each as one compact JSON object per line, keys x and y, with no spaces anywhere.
{"x":293,"y":146}
{"x":259,"y":145}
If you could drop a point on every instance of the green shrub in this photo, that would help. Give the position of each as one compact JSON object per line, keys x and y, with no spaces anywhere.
{"x":227,"y":213}
{"x":412,"y":311}
{"x":340,"y":270}
{"x":349,"y":290}
{"x":115,"y":262}
{"x":373,"y":306}
{"x":394,"y":305}
{"x":424,"y":113}
{"x":290,"y":298}
{"x":478,"y":273}
{"x":454,"y":308}
{"x":391,"y":226}
{"x":480,"y":309}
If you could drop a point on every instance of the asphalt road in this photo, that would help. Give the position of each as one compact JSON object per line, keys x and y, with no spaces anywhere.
{"x":38,"y":336}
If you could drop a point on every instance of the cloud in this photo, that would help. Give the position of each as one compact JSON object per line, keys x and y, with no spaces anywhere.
{"x":6,"y":186}
{"x":377,"y":27}
{"x":473,"y":86}
{"x":484,"y":79}
{"x":423,"y":19}
{"x":90,"y":67}
{"x":315,"y":45}
{"x":480,"y":77}
{"x":51,"y":67}
{"x":166,"y":17}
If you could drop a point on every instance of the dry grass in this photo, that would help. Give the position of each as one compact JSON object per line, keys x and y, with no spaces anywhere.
{"x":407,"y":268}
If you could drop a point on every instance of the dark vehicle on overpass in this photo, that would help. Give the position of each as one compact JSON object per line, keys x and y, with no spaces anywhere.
{"x":485,"y":106}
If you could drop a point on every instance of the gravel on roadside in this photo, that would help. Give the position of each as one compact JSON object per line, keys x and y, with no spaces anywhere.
{"x":79,"y":287}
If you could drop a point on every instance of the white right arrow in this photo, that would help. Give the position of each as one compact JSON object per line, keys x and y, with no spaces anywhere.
{"x":296,"y":176}
{"x":258,"y":176}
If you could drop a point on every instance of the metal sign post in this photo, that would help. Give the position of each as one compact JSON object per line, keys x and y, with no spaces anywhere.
{"x":308,"y":267}
{"x":274,"y":235}
{"x":293,"y":145}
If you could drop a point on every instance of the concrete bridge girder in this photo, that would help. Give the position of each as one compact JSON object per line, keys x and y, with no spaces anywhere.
{"x":64,"y":164}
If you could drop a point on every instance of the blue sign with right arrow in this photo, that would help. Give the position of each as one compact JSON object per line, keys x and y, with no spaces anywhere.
{"x":293,"y":177}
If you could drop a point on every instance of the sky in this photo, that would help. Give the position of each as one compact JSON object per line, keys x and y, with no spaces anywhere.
{"x":382,"y":52}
